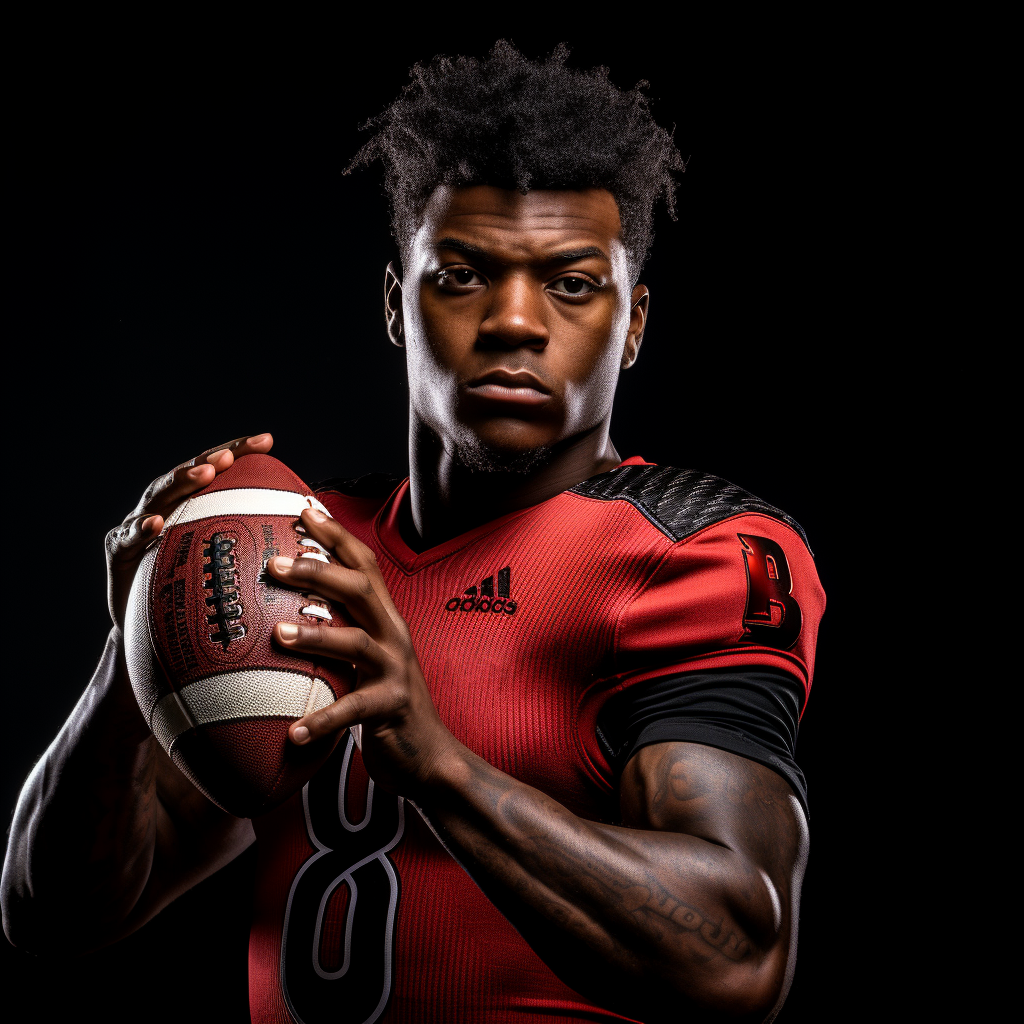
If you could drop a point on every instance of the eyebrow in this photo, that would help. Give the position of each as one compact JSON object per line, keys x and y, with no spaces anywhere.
{"x":569,"y":256}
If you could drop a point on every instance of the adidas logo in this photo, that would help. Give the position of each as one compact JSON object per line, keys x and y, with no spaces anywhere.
{"x":485,"y":599}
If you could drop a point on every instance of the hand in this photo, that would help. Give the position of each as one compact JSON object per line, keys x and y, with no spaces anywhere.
{"x":126,"y":543}
{"x":404,"y":743}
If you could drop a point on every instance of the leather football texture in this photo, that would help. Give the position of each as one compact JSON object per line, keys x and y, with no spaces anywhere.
{"x":217,"y":691}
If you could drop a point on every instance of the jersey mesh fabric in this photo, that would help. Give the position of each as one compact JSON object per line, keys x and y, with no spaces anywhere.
{"x":603,"y":599}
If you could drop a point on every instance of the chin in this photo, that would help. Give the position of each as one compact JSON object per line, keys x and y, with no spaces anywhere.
{"x":485,"y":455}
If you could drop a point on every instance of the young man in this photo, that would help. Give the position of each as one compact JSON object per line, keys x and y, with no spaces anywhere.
{"x":568,"y":788}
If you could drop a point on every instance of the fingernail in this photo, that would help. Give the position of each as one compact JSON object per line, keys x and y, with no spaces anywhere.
{"x":317,"y":516}
{"x":288,"y":632}
{"x":301,"y":735}
{"x":256,"y":439}
{"x":195,"y":473}
{"x":283,"y":563}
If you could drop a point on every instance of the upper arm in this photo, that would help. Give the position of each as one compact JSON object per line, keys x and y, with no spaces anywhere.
{"x":732,"y":802}
{"x":717,"y":649}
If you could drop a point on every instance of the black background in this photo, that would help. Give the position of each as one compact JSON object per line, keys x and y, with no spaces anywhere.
{"x":192,"y":266}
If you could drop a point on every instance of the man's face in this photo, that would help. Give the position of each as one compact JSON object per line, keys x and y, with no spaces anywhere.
{"x":518,"y":315}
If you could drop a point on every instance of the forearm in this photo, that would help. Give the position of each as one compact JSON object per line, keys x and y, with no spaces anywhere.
{"x":689,"y":911}
{"x":628,"y":916}
{"x":84,"y":830}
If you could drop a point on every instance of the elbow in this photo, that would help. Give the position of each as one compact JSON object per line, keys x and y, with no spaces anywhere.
{"x":754,"y":1001}
{"x":749,"y":994}
{"x":21,"y":914}
{"x":17,"y":914}
{"x":10,"y":898}
{"x":19,"y":902}
{"x":34,"y":925}
{"x":736,"y":993}
{"x":748,"y":1004}
{"x":18,"y":935}
{"x":34,"y":931}
{"x":20,"y":905}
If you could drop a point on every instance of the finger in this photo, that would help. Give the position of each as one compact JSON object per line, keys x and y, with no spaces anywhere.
{"x":352,"y":552}
{"x":127,"y":542}
{"x":168,"y":491}
{"x":349,"y":550}
{"x":379,"y":700}
{"x":350,"y":587}
{"x":345,"y":643}
{"x":223,"y":455}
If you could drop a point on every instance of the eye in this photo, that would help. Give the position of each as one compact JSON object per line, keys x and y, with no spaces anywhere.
{"x":457,"y":279}
{"x":577,"y":287}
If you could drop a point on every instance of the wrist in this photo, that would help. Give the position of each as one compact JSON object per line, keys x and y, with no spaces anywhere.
{"x":444,"y":770}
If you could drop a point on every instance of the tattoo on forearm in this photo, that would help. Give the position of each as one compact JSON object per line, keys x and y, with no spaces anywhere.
{"x":642,"y":899}
{"x":715,"y":933}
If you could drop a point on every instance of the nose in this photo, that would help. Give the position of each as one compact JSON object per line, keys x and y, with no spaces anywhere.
{"x":515,"y":316}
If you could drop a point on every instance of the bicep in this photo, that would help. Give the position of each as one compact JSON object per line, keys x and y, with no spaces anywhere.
{"x":725,"y":800}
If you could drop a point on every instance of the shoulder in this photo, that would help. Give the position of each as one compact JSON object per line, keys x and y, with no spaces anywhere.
{"x":680,"y":502}
{"x":735,"y":583}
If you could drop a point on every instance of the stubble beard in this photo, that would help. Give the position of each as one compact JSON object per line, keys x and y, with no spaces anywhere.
{"x":476,"y":456}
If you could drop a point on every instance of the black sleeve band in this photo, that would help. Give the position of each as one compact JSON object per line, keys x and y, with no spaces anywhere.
{"x":753,"y":712}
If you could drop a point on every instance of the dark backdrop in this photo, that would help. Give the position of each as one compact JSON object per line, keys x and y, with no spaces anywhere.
{"x":192,"y":266}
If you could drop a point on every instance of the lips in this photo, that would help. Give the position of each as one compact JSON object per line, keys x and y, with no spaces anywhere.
{"x":519,"y":387}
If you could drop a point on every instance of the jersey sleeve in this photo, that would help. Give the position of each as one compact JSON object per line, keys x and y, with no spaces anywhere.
{"x":741,"y":594}
{"x":753,"y":712}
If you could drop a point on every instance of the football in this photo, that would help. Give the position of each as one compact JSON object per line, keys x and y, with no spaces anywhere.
{"x":216,"y":690}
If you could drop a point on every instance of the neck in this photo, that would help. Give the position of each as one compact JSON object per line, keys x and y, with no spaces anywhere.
{"x":446,"y":498}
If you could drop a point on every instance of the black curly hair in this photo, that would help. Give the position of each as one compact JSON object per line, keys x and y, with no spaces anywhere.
{"x":511,"y":122}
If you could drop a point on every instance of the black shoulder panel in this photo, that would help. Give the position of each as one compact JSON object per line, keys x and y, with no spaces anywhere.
{"x":679,"y":502}
{"x":373,"y":485}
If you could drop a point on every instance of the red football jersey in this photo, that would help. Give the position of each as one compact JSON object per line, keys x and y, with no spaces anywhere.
{"x":524,"y":628}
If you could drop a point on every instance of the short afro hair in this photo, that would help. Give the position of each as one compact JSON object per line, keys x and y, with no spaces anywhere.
{"x":511,"y":122}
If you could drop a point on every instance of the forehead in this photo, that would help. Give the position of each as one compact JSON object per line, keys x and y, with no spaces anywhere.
{"x":520,"y":225}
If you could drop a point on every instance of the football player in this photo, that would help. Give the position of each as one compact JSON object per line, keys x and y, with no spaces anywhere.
{"x":565,"y":787}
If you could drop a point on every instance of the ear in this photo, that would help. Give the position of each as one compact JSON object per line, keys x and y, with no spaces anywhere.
{"x":393,"y":306}
{"x":637,"y":322}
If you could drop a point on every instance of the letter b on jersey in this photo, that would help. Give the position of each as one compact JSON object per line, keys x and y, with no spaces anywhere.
{"x":772,"y":617}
